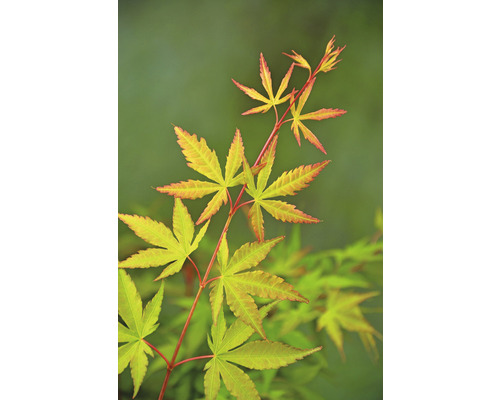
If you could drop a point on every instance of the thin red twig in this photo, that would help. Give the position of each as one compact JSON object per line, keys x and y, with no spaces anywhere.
{"x":230,"y":199}
{"x":192,"y":359}
{"x":196,"y":268}
{"x":158,"y":351}
{"x":243,"y":204}
{"x":210,"y":280}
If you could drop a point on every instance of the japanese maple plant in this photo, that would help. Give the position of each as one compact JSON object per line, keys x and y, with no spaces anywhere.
{"x":236,"y":276}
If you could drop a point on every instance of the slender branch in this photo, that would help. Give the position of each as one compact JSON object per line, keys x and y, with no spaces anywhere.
{"x":165,"y":383}
{"x":230,"y":199}
{"x":224,"y":230}
{"x":158,"y":351}
{"x":181,"y":338}
{"x":234,"y":208}
{"x":196,"y":268}
{"x":192,"y":359}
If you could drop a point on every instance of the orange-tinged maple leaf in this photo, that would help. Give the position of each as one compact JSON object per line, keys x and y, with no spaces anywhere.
{"x":290,"y":182}
{"x":287,"y":184}
{"x":298,"y":125}
{"x":287,"y":212}
{"x":205,"y":161}
{"x":299,"y":60}
{"x":272,"y":100}
{"x":190,"y":189}
{"x":329,"y":60}
{"x":256,"y":221}
{"x":199,"y":156}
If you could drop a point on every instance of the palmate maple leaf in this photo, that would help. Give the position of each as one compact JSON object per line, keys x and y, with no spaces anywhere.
{"x":288,"y":184}
{"x":342,"y":310}
{"x":257,"y":355}
{"x":173,"y":250}
{"x":140,"y":323}
{"x":297,"y":123}
{"x":239,"y":285}
{"x":205,"y":161}
{"x":272,"y":100}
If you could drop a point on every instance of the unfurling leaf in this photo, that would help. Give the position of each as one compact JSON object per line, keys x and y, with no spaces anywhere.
{"x":272,"y":100}
{"x":140,"y":323}
{"x":299,"y":60}
{"x":329,"y":60}
{"x":175,"y":249}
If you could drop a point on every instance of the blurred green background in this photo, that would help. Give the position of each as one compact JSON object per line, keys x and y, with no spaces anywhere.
{"x":176,"y":61}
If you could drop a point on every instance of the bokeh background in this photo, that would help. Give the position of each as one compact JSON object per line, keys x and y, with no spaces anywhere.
{"x":176,"y":61}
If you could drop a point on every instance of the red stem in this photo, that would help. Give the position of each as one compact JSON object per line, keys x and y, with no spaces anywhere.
{"x":196,"y":268}
{"x":210,"y":280}
{"x":243,"y":204}
{"x":233,"y":209}
{"x":192,"y":359}
{"x":158,"y":351}
{"x":230,"y":199}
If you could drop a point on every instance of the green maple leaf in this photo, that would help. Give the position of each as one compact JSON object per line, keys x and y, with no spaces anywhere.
{"x":205,"y":161}
{"x":239,"y":285}
{"x":258,"y":355}
{"x":140,"y":323}
{"x":174,"y":250}
{"x":288,"y":184}
{"x":342,"y":311}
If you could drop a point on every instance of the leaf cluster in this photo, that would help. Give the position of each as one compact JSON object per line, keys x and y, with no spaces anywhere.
{"x":244,"y":278}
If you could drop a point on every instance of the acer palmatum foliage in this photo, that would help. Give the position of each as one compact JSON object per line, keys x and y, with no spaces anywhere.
{"x":238,"y":274}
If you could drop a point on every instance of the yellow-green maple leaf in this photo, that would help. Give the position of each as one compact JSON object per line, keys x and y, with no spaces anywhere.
{"x":205,"y":161}
{"x":288,"y":184}
{"x":261,"y":354}
{"x":239,"y":285}
{"x":140,"y":323}
{"x":175,"y":247}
